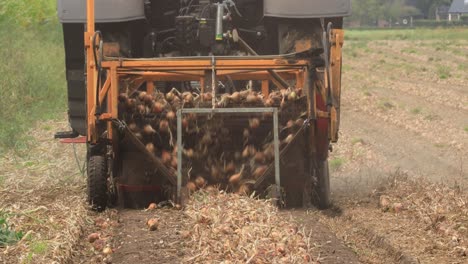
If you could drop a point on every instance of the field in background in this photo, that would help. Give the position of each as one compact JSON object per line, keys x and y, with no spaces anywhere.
{"x":408,"y":34}
{"x":32,"y":72}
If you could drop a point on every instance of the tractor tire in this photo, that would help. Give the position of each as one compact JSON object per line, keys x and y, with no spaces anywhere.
{"x":97,"y":183}
{"x":322,"y":185}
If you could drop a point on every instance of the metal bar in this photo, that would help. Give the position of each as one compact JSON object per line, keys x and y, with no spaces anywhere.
{"x":150,"y":87}
{"x":277,"y":153}
{"x":90,"y":16}
{"x":114,"y":93}
{"x":235,"y":75}
{"x":265,"y":88}
{"x":90,"y":72}
{"x":179,"y":155}
{"x":206,"y":63}
{"x":228,"y":110}
{"x":104,"y":89}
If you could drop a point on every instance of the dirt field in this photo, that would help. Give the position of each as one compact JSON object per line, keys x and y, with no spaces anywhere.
{"x":399,"y":176}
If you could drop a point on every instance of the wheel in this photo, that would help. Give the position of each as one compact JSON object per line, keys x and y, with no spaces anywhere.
{"x":97,"y":183}
{"x":322,"y":185}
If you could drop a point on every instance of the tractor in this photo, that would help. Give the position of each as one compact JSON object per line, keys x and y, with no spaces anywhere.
{"x":172,"y":96}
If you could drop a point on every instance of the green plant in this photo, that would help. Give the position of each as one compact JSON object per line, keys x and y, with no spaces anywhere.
{"x":32,"y":79}
{"x":416,"y":110}
{"x":443,"y":72}
{"x":7,"y":235}
{"x":465,"y":128}
{"x":28,"y":13}
{"x":336,"y":163}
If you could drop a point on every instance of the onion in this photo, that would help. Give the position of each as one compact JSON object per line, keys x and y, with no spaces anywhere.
{"x":107,"y":251}
{"x":235,"y":97}
{"x":212,"y":188}
{"x":290,"y":124}
{"x":224,"y":102}
{"x":246,"y":152}
{"x":164,"y":126}
{"x":188,"y":97}
{"x":141,"y":109}
{"x":384,"y":202}
{"x":254,"y":123}
{"x":244,"y":94}
{"x":207,"y":97}
{"x":269,"y":102}
{"x":191,"y":186}
{"x":284,"y":92}
{"x":166,"y":158}
{"x":189,"y":153}
{"x":185,"y":123}
{"x":133,"y":127}
{"x":200,"y":182}
{"x":397,"y":207}
{"x":234,"y":179}
{"x":174,"y":163}
{"x":170,"y":96}
{"x":123,"y":97}
{"x":259,"y":171}
{"x":269,"y":152}
{"x":244,"y":189}
{"x":292,"y":96}
{"x":299,"y":122}
{"x":148,"y":99}
{"x":141,"y":96}
{"x":260,"y":157}
{"x":152,"y":206}
{"x":158,"y":107}
{"x":281,"y":248}
{"x":251,"y":99}
{"x":148,"y":130}
{"x":150,"y":147}
{"x":152,"y":224}
{"x":289,"y":139}
{"x":171,"y":115}
{"x":139,"y":136}
{"x":130,"y":104}
{"x":93,"y":237}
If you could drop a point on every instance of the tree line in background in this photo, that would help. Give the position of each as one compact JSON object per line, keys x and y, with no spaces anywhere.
{"x":368,"y":12}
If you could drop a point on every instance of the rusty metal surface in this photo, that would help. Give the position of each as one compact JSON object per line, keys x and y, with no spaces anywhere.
{"x":337,"y":41}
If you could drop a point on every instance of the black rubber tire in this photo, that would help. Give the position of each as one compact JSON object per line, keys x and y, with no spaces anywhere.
{"x":97,"y":183}
{"x":322,"y":185}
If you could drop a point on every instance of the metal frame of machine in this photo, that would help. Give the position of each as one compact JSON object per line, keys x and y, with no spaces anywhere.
{"x":102,"y":102}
